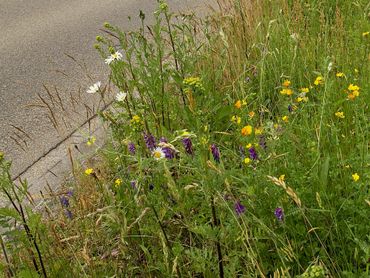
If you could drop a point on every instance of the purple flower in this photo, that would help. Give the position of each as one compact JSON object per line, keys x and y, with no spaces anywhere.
{"x":253,"y":153}
{"x":131,"y":148}
{"x":70,"y":193}
{"x":188,"y":145}
{"x":239,"y":208}
{"x":262,"y":142}
{"x":150,"y":141}
{"x":215,"y":152}
{"x":168,"y":152}
{"x":133,"y":185}
{"x":64,"y":201}
{"x":68,"y":214}
{"x":242,"y":151}
{"x":279,"y":213}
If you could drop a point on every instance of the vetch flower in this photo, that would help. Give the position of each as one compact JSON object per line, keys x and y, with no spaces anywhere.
{"x":117,"y":56}
{"x":215,"y":152}
{"x":355,"y":177}
{"x":131,"y":148}
{"x":239,"y":208}
{"x":69,"y":214}
{"x":121,"y":96}
{"x":279,"y":213}
{"x":158,"y":153}
{"x":94,"y":88}
{"x":247,"y":130}
{"x":133,"y":185}
{"x":89,"y":171}
{"x":253,"y":153}
{"x":168,"y":151}
{"x":262,"y":142}
{"x":150,"y":141}
{"x":340,"y":115}
{"x":64,"y":201}
{"x":188,"y":145}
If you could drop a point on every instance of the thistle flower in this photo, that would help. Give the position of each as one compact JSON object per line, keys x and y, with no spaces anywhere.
{"x":215,"y":152}
{"x":188,"y":145}
{"x":253,"y":153}
{"x":131,"y":148}
{"x":94,"y":88}
{"x":150,"y":141}
{"x":279,"y":213}
{"x":239,"y":208}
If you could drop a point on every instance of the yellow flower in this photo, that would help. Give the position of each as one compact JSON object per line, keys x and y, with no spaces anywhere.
{"x":339,"y":115}
{"x":356,"y":70}
{"x":244,"y":102}
{"x":365,"y":34}
{"x":286,"y":83}
{"x":236,"y":119}
{"x":238,"y":104}
{"x":247,"y":160}
{"x":319,"y":80}
{"x":282,"y":178}
{"x":286,"y":91}
{"x":355,"y":177}
{"x":299,"y":99}
{"x":117,"y":182}
{"x":91,"y":141}
{"x":352,"y":87}
{"x":248,"y":146}
{"x":89,"y":171}
{"x":247,"y":130}
{"x":285,"y":119}
{"x":340,"y":74}
{"x":304,"y":90}
{"x":251,"y":114}
{"x":258,"y":130}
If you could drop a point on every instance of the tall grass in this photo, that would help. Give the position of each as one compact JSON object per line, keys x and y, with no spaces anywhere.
{"x":239,"y":147}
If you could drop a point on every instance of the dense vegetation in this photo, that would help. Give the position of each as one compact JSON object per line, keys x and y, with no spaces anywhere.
{"x":239,"y":147}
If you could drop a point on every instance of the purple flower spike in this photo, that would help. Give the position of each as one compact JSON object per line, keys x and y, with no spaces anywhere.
{"x":69,"y":214}
{"x":168,"y":153}
{"x":64,"y":201}
{"x":262,"y":142}
{"x":70,"y":193}
{"x":279,"y":213}
{"x":163,"y":140}
{"x":253,"y":153}
{"x":131,"y":148}
{"x":239,"y":208}
{"x":150,"y":141}
{"x":188,"y":145}
{"x":133,"y":185}
{"x":215,"y":152}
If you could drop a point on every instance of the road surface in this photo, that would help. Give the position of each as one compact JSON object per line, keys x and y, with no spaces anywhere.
{"x":36,"y":37}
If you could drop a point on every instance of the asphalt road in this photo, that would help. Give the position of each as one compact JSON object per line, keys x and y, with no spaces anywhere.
{"x":35,"y":36}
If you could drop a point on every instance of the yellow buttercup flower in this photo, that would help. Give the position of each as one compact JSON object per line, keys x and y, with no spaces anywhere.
{"x":340,"y":74}
{"x":238,"y":104}
{"x":355,"y":177}
{"x":247,"y":130}
{"x":251,"y":114}
{"x":339,"y":115}
{"x":89,"y":171}
{"x":319,"y":80}
{"x":304,"y":90}
{"x":299,"y":99}
{"x":247,"y":160}
{"x":285,"y":119}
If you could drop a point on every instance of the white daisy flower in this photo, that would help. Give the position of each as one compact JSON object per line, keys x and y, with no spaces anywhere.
{"x":158,"y":153}
{"x":121,"y":96}
{"x":117,"y":56}
{"x":94,"y":88}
